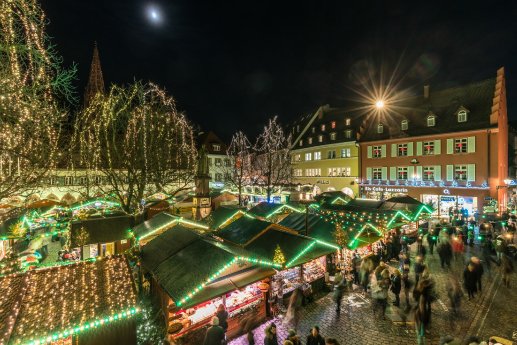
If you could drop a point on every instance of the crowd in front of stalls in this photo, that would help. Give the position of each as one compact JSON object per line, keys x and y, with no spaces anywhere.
{"x":245,"y":268}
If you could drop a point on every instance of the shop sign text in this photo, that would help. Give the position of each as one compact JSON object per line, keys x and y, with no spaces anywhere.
{"x":385,"y":189}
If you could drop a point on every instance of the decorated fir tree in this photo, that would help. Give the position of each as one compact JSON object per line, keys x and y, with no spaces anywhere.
{"x":279,"y":257}
{"x":340,"y":236}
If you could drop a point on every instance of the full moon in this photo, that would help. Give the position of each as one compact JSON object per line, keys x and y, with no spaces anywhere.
{"x":154,"y":14}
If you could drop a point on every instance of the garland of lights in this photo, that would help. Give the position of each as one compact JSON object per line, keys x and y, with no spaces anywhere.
{"x":300,"y":254}
{"x":173,"y":222}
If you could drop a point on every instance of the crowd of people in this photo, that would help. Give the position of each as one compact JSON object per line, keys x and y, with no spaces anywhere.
{"x":404,"y":275}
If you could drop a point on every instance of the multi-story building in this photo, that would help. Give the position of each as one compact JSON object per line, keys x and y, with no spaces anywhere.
{"x":325,"y":152}
{"x":445,"y":147}
{"x":218,"y":162}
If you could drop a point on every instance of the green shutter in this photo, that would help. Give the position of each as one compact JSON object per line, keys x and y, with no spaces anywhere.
{"x":410,"y":149}
{"x":383,"y":151}
{"x":419,"y":173}
{"x":369,"y":149}
{"x":437,"y":147}
{"x":471,"y":144}
{"x":419,"y":148}
{"x":471,"y":172}
{"x":368,"y":173}
{"x":437,"y":172}
{"x":384,"y":173}
{"x":393,"y":150}
{"x":450,"y":172}
{"x":393,"y":173}
{"x":450,"y":145}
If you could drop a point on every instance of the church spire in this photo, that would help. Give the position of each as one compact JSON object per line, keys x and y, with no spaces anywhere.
{"x":95,"y":81}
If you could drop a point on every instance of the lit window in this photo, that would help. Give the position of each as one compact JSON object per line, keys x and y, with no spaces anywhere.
{"x":402,"y":173}
{"x":308,"y":156}
{"x":309,"y":141}
{"x":313,"y":129}
{"x":301,"y":142}
{"x":347,"y":122}
{"x":377,"y":173}
{"x":83,"y":180}
{"x":460,"y":172}
{"x":462,"y":116}
{"x":333,"y":124}
{"x":348,"y":133}
{"x":216,"y":147}
{"x":460,"y":145}
{"x":320,"y":138}
{"x":209,"y":162}
{"x":323,"y":128}
{"x":218,"y":162}
{"x":402,"y":150}
{"x":317,"y":156}
{"x":297,"y":172}
{"x":333,"y":136}
{"x":331,"y":154}
{"x":68,"y":180}
{"x":428,"y":148}
{"x":313,"y":172}
{"x":297,"y":157}
{"x":347,"y":171}
{"x":428,"y":173}
{"x":404,"y":125}
{"x":298,"y":128}
{"x":377,"y":151}
{"x":345,"y":153}
{"x":380,"y":128}
{"x":431,"y":121}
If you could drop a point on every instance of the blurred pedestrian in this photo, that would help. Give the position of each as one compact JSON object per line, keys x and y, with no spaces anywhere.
{"x":315,"y":338}
{"x":270,"y":337}
{"x":250,"y":338}
{"x":431,"y":240}
{"x":507,"y":269}
{"x":458,"y":247}
{"x":500,"y":247}
{"x":478,"y":270}
{"x":406,"y":285}
{"x":418,"y":267}
{"x":422,"y":318}
{"x":295,"y":308}
{"x":380,"y":293}
{"x":469,"y":280}
{"x":420,"y":248}
{"x":454,"y":293}
{"x":215,"y":333}
{"x":396,"y":286}
{"x":339,"y":291}
{"x":331,"y":341}
{"x":292,"y":337}
{"x":356,"y":267}
{"x":222,"y":315}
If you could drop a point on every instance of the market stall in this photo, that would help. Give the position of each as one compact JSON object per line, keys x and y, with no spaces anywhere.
{"x":193,"y":274}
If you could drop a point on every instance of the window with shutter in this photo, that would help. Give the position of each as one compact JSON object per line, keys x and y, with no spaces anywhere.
{"x":368,"y":173}
{"x":383,"y":151}
{"x":418,"y":176}
{"x":419,"y":148}
{"x":437,"y":147}
{"x":384,"y":173}
{"x":369,"y":151}
{"x":393,"y":150}
{"x":410,"y":149}
{"x":393,"y":173}
{"x":437,"y":172}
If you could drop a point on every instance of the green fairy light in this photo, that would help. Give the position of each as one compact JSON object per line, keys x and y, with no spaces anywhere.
{"x":301,"y":253}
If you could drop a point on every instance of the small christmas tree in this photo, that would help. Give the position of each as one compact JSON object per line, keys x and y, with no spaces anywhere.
{"x":279,"y":257}
{"x":340,"y":236}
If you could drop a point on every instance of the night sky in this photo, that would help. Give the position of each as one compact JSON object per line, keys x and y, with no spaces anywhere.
{"x":231,"y":65}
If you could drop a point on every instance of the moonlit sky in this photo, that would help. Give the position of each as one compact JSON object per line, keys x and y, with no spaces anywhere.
{"x":233,"y":64}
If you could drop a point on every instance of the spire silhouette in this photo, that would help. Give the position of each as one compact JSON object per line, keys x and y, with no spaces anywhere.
{"x":95,"y":81}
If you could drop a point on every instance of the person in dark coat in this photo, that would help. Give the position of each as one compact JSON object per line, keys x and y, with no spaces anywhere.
{"x":478,"y":269}
{"x":270,"y":338}
{"x":338,"y":295}
{"x":469,"y":280}
{"x":431,"y":240}
{"x":454,"y":293}
{"x":396,"y":286}
{"x":445,"y":252}
{"x":222,"y":315}
{"x":214,"y":334}
{"x":293,"y":338}
{"x":419,"y":268}
{"x":315,"y":338}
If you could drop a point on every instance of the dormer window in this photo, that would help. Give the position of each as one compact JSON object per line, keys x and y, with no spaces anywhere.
{"x":404,"y":125}
{"x":462,"y":116}
{"x":320,"y":138}
{"x":216,"y":147}
{"x":301,"y":143}
{"x":313,"y":129}
{"x":431,"y":121}
{"x":347,"y":122}
{"x":332,"y":136}
{"x":309,"y":140}
{"x":380,"y":128}
{"x":323,"y":128}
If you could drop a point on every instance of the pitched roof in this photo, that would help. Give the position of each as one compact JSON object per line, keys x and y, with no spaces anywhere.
{"x":265,"y":209}
{"x":222,"y":215}
{"x":476,"y":97}
{"x":242,"y":230}
{"x":208,"y":139}
{"x":181,"y":260}
{"x":161,"y":221}
{"x":103,"y":230}
{"x":318,"y":227}
{"x":40,"y":303}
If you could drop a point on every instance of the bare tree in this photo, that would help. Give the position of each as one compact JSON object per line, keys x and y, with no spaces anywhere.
{"x":137,"y":141}
{"x":272,"y":164}
{"x":31,"y":83}
{"x":239,"y":156}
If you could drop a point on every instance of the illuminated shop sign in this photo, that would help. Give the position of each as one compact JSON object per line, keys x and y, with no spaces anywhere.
{"x":382,"y":189}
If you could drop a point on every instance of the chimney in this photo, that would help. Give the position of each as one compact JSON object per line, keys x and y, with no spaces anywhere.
{"x":426,"y":91}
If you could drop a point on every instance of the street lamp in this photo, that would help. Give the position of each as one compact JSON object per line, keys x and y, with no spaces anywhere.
{"x":379,"y":104}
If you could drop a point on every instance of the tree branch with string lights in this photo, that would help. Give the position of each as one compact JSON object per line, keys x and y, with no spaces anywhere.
{"x":33,"y":90}
{"x":238,"y":172}
{"x":138,"y":141}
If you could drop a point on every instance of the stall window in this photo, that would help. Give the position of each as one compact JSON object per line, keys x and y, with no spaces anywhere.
{"x":460,"y":145}
{"x":428,"y":173}
{"x":345,"y":153}
{"x":402,"y":150}
{"x":308,"y":156}
{"x":402,"y":173}
{"x":331,"y":154}
{"x":428,"y":148}
{"x":377,"y":173}
{"x":317,"y":156}
{"x":377,"y":151}
{"x":460,"y":172}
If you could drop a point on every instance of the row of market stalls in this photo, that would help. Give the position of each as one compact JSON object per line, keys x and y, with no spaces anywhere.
{"x":245,"y":259}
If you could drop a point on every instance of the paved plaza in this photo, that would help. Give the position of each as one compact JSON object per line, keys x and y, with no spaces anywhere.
{"x":491,"y":313}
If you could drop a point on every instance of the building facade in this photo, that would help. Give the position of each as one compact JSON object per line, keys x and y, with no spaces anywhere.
{"x":325,"y":154}
{"x":448,"y":148}
{"x":218,"y":162}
